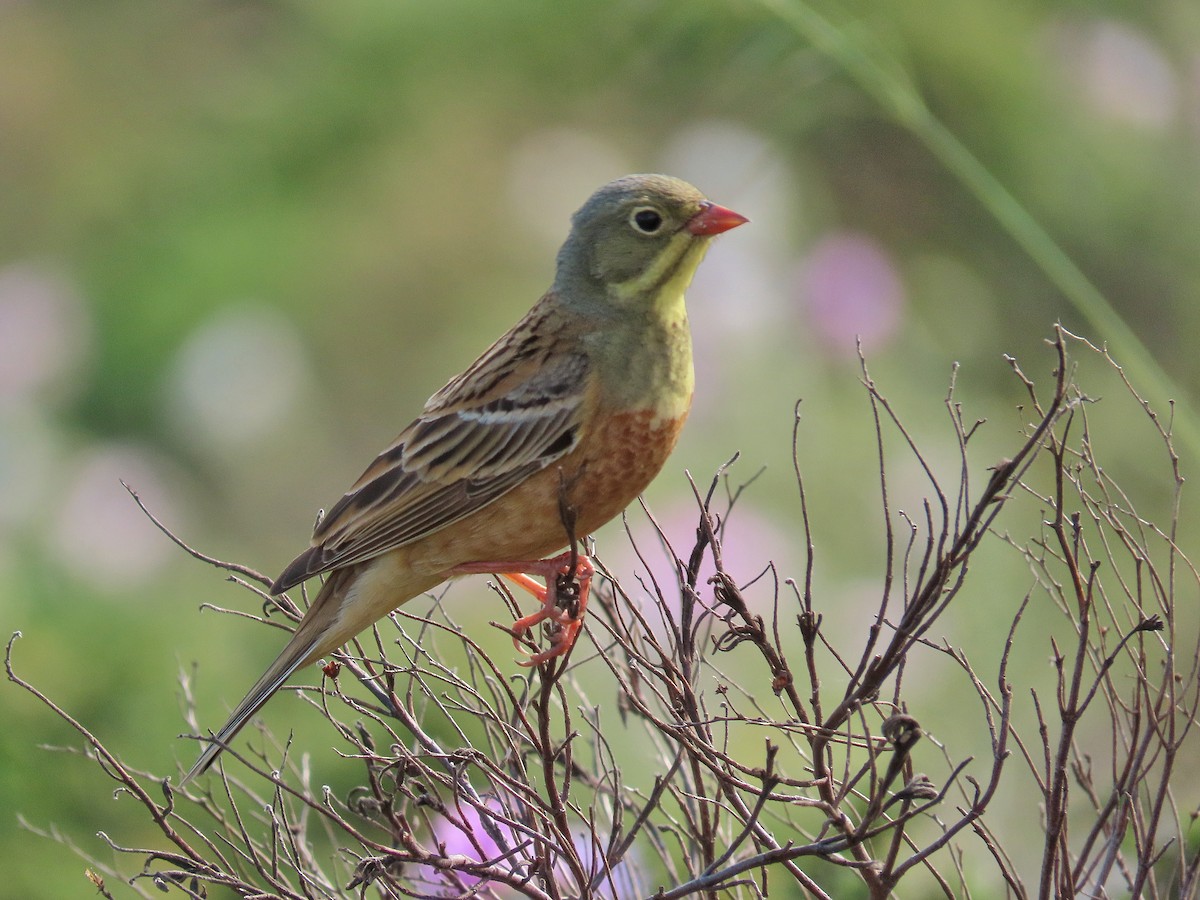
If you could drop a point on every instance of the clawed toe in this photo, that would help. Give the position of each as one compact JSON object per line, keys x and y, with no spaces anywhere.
{"x":563,"y":598}
{"x":562,"y":635}
{"x":567,"y":574}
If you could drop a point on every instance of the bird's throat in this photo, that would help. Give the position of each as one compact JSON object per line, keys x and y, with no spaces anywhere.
{"x":652,"y":364}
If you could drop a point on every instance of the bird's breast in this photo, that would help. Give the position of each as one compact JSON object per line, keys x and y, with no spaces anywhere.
{"x":629,"y":450}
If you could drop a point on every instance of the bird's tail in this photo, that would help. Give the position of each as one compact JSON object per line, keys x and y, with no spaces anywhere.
{"x":308,"y":643}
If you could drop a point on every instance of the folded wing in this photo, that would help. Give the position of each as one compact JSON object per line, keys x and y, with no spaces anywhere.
{"x":508,"y":416}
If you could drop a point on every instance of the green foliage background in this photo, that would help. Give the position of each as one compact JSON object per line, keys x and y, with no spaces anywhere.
{"x":345,"y":174}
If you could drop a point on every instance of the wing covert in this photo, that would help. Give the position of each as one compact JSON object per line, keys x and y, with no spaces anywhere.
{"x":460,"y":455}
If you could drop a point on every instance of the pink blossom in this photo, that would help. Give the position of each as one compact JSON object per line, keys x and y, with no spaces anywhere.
{"x":850,"y":289}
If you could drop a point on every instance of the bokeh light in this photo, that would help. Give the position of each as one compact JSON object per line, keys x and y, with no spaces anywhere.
{"x":550,"y":172}
{"x":44,"y":331}
{"x":850,"y":289}
{"x":1121,"y":72}
{"x":751,"y":543}
{"x":237,"y":378}
{"x":98,"y":533}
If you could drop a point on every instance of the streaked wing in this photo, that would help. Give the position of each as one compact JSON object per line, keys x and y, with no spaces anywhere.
{"x":514,"y":412}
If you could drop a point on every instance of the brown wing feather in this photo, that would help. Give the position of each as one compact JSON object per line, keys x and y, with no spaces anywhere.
{"x":516,"y":410}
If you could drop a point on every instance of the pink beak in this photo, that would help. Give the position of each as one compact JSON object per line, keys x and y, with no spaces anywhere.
{"x":713,"y":219}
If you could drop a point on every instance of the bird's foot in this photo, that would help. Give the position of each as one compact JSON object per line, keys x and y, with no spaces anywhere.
{"x":563,"y":597}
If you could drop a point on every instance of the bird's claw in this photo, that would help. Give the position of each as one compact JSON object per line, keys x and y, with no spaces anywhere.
{"x":567,"y":579}
{"x":562,"y":638}
{"x":566,"y":622}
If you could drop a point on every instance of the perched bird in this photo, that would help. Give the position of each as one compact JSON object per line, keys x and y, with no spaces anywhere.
{"x":553,"y":431}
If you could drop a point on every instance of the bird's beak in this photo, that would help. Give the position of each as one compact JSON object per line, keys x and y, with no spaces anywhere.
{"x":713,"y":219}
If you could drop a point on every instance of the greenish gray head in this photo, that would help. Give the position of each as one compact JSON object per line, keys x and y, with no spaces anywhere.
{"x":637,"y":232}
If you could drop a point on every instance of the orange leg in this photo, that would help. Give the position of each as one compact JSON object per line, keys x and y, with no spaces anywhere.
{"x":558,"y":575}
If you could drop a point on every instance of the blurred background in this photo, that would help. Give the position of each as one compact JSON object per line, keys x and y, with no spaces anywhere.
{"x":241,"y":242}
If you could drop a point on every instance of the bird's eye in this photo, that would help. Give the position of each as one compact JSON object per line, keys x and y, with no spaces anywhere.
{"x":646,"y":220}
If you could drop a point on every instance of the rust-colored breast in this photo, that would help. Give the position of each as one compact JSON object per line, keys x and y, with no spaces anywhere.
{"x":620,"y":461}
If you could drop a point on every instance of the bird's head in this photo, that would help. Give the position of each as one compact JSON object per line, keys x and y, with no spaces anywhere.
{"x":635,"y":235}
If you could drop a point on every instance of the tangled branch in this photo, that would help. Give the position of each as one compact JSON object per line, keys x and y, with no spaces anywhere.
{"x":709,"y":746}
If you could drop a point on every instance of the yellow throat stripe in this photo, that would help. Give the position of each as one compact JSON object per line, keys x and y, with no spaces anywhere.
{"x":670,"y":274}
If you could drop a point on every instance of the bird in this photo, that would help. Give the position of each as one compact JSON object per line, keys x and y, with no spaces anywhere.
{"x":556,"y":428}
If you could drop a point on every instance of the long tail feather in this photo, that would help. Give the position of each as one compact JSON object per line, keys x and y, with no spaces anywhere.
{"x":264,"y":688}
{"x":310,"y":641}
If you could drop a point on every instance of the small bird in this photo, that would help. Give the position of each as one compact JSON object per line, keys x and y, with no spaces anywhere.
{"x":552,"y":432}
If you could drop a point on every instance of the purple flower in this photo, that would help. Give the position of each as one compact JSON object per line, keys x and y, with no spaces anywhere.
{"x":462,"y":835}
{"x":750,"y":543}
{"x":465,"y":836}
